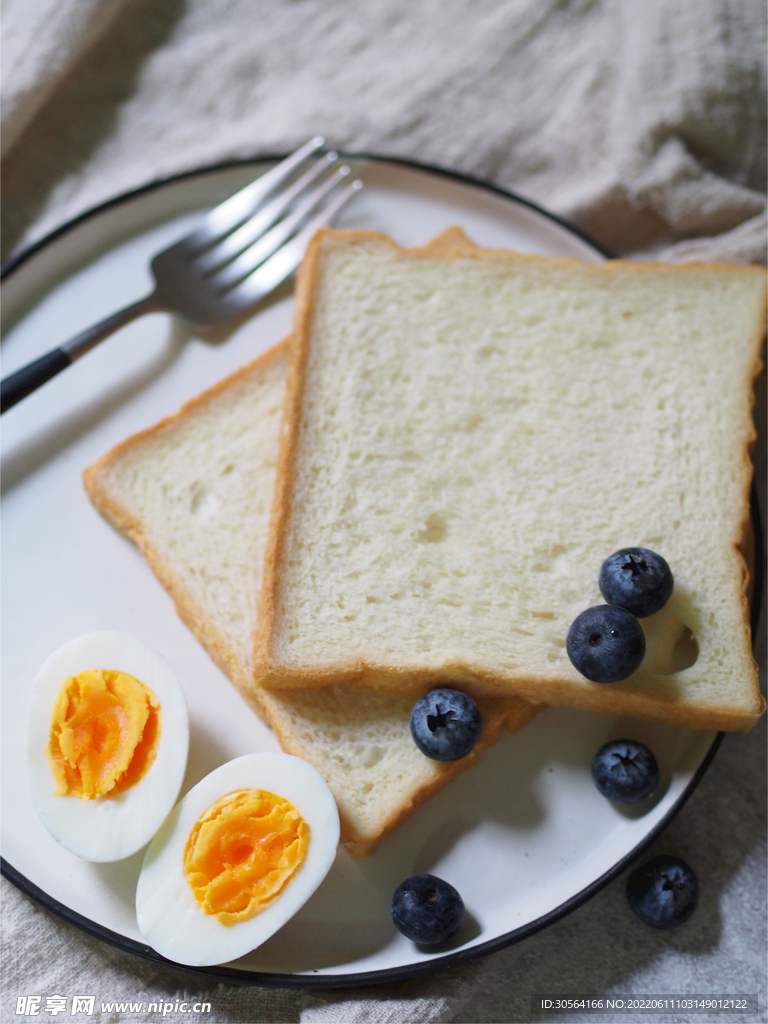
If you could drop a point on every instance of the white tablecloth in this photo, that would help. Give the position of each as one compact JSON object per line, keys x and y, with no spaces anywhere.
{"x":643,"y":121}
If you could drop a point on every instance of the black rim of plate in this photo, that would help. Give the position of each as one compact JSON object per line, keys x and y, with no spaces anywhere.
{"x":441,"y":963}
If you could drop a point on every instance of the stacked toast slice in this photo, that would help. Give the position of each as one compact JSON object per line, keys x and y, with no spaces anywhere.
{"x":470,"y":432}
{"x":419,"y":488}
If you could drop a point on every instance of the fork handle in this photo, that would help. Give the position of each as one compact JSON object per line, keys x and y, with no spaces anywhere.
{"x":29,"y":378}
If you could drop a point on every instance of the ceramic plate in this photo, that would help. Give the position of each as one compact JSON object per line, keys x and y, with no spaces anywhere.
{"x":524,"y":835}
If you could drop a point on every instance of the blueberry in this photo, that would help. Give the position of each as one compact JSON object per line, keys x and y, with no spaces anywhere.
{"x":445,"y":724}
{"x":636,"y":579}
{"x":606,"y":644}
{"x":625,"y":771}
{"x":664,"y":892}
{"x":426,"y":909}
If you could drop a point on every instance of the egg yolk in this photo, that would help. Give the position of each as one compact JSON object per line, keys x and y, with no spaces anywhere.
{"x":105,"y":730}
{"x":243,"y":852}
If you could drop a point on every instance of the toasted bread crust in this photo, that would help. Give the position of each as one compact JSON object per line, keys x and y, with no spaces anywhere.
{"x":272,"y":673}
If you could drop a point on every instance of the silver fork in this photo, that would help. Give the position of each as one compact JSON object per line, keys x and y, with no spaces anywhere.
{"x":243,"y":250}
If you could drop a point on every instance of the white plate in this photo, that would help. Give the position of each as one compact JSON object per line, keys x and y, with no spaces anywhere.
{"x":524,"y":836}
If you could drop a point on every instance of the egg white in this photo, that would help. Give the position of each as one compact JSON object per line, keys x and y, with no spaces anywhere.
{"x":170,"y":918}
{"x":108,"y":828}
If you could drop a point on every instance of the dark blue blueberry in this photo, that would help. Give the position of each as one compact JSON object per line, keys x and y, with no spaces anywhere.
{"x":636,"y":579}
{"x":445,"y":724}
{"x":664,"y":892}
{"x":606,"y":644}
{"x":426,"y":909}
{"x":625,"y":771}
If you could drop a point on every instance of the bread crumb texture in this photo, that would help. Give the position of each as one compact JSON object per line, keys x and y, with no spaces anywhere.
{"x":194,"y":493}
{"x":200,"y":487}
{"x":477,"y":433}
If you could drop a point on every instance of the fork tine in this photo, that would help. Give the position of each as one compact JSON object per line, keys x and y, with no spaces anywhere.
{"x":233,"y":211}
{"x":265,"y":246}
{"x":232,"y":245}
{"x":285,"y":260}
{"x":181,"y":287}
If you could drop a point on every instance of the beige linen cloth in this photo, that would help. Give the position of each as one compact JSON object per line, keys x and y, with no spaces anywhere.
{"x":643,"y":121}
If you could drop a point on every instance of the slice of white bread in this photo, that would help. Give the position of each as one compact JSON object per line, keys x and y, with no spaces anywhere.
{"x":194,"y":494}
{"x":470,"y":433}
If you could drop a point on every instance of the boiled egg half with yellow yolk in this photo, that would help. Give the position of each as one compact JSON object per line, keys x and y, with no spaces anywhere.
{"x":107,"y":744}
{"x":236,"y":859}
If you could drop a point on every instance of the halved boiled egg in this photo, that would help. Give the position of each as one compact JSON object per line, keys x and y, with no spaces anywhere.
{"x":107,"y":744}
{"x":239,"y":855}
